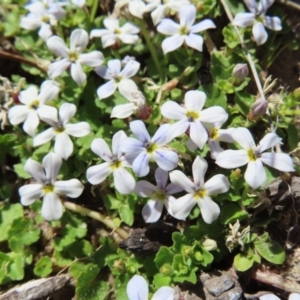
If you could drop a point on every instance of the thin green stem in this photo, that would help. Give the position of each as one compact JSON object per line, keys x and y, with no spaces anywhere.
{"x":97,"y":216}
{"x":152,"y":49}
{"x":94,"y":10}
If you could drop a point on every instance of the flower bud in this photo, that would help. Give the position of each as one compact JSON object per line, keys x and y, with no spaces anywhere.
{"x":209,"y":245}
{"x":239,"y":73}
{"x":166,"y":269}
{"x":259,"y":108}
{"x":144,"y":112}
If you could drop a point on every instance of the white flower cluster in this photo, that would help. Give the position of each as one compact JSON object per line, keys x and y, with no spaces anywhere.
{"x":201,"y":125}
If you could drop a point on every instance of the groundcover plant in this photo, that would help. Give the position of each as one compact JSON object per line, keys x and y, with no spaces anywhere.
{"x":119,"y":114}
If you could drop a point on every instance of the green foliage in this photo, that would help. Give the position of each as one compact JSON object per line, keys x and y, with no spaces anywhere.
{"x":43,"y":267}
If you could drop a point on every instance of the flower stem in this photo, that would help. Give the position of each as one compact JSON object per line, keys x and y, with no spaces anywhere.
{"x":94,"y":10}
{"x":152,"y":49}
{"x":97,"y":216}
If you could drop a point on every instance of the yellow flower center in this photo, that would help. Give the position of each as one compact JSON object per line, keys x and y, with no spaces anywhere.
{"x":48,"y":188}
{"x":73,"y":56}
{"x":116,"y":164}
{"x":251,"y":155}
{"x":45,"y":19}
{"x":183,"y":30}
{"x":200,"y":194}
{"x":118,"y":31}
{"x":214,"y":134}
{"x":192,"y":115}
{"x":151,"y":148}
{"x":59,"y":128}
{"x":159,"y":195}
{"x":34,"y":104}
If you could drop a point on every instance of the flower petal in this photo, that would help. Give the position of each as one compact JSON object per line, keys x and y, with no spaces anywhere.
{"x":244,"y":19}
{"x":79,"y":129}
{"x":63,"y":145}
{"x":130,"y":69}
{"x":230,"y":159}
{"x":182,"y":207}
{"x":93,"y":59}
{"x":215,"y":148}
{"x":172,"y":110}
{"x":144,"y":188}
{"x":269,"y":140}
{"x":57,"y":46}
{"x":139,"y":130}
{"x":243,"y":137}
{"x":165,"y":293}
{"x":194,"y":100}
{"x":131,"y":145}
{"x":279,"y":161}
{"x":194,"y":41}
{"x":44,"y":137}
{"x":31,"y":123}
{"x":179,"y":128}
{"x":100,"y":147}
{"x":49,"y":90}
{"x":45,"y":32}
{"x":166,"y":159}
{"x":123,"y":111}
{"x":66,"y":112}
{"x":203,"y":25}
{"x":158,"y":14}
{"x":137,"y":288}
{"x":114,"y":66}
{"x":127,"y":87}
{"x":199,"y":169}
{"x":52,"y":163}
{"x":123,"y":180}
{"x":107,"y":89}
{"x":18,"y":114}
{"x":171,"y":43}
{"x":30,"y":193}
{"x":251,"y":4}
{"x":213,"y":114}
{"x":152,"y":210}
{"x":104,"y":72}
{"x":71,"y":188}
{"x":161,"y":177}
{"x":168,"y":27}
{"x":260,"y":34}
{"x":198,"y":134}
{"x":140,"y":165}
{"x":161,"y":136}
{"x":210,"y":210}
{"x":129,"y":29}
{"x":58,"y":67}
{"x":180,"y":179}
{"x":52,"y":208}
{"x":218,"y":184}
{"x":255,"y":174}
{"x":117,"y":140}
{"x":97,"y":174}
{"x":263,"y":5}
{"x":77,"y":73}
{"x":273,"y":23}
{"x":35,"y":170}
{"x":187,"y":15}
{"x":79,"y":40}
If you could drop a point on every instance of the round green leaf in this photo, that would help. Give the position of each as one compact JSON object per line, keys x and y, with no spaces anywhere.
{"x":271,"y":251}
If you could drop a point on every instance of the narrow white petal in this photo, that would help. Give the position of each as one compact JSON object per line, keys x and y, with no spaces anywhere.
{"x":199,"y":169}
{"x":114,"y":66}
{"x":179,"y":128}
{"x":152,"y":210}
{"x":260,"y":34}
{"x":35,"y":170}
{"x":111,"y":24}
{"x":173,"y":189}
{"x":44,"y":137}
{"x":117,"y":140}
{"x":161,"y":136}
{"x":79,"y":129}
{"x":28,"y":95}
{"x":18,"y":114}
{"x":100,"y":147}
{"x":279,"y":161}
{"x":172,"y":110}
{"x":244,"y":19}
{"x":66,"y":112}
{"x":203,"y":25}
{"x":97,"y":174}
{"x":187,"y":15}
{"x":92,"y":59}
{"x":251,"y":4}
{"x":130,"y":69}
{"x":255,"y":174}
{"x":128,"y":38}
{"x":58,"y":67}
{"x":171,"y":43}
{"x":131,"y":145}
{"x":45,"y":32}
{"x":123,"y":111}
{"x":180,"y":179}
{"x":123,"y":180}
{"x":31,"y":123}
{"x":109,"y":40}
{"x":144,"y":188}
{"x":79,"y":3}
{"x":48,"y":114}
{"x":137,"y":288}
{"x":30,"y":193}
{"x":243,"y":137}
{"x":230,"y":159}
{"x":30,"y":23}
{"x":168,"y":27}
{"x":139,"y":130}
{"x":273,"y":23}
{"x":52,"y":163}
{"x":52,"y":208}
{"x":79,"y":40}
{"x":58,"y":46}
{"x":127,"y":87}
{"x":268,"y":141}
{"x":158,"y":14}
{"x":140,"y":165}
{"x":99,"y":33}
{"x":210,"y":210}
{"x":215,"y":148}
{"x":161,"y":177}
{"x":104,"y":72}
{"x":182,"y":207}
{"x":166,"y":159}
{"x":263,"y":5}
{"x":107,"y":89}
{"x":77,"y":73}
{"x":63,"y":145}
{"x":225,"y":135}
{"x":198,"y":134}
{"x":130,"y":29}
{"x":164,"y":293}
{"x":218,"y":184}
{"x":194,"y":100}
{"x":71,"y":188}
{"x":213,"y":114}
{"x":49,"y":90}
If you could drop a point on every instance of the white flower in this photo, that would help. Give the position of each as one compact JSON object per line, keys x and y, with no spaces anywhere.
{"x":253,"y":155}
{"x":192,"y":116}
{"x":258,"y":20}
{"x":160,"y":195}
{"x":73,"y":57}
{"x":114,"y":163}
{"x":165,"y":7}
{"x":42,"y":15}
{"x":78,"y":3}
{"x":185,"y":31}
{"x":114,"y":33}
{"x":269,"y":297}
{"x":144,"y":149}
{"x":61,"y":130}
{"x":34,"y":103}
{"x":294,"y":296}
{"x":46,"y":186}
{"x":117,"y":79}
{"x":137,"y":289}
{"x":138,"y":7}
{"x":198,"y":192}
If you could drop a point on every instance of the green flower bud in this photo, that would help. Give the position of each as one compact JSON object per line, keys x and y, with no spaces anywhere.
{"x":209,"y":245}
{"x":166,"y":269}
{"x":119,"y":265}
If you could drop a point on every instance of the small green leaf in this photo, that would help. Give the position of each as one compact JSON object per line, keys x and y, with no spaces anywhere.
{"x":271,"y":251}
{"x":126,"y":214}
{"x":19,"y":169}
{"x":160,"y":280}
{"x":163,"y":256}
{"x":214,"y":95}
{"x":231,"y":38}
{"x":43,"y":267}
{"x":243,"y":262}
{"x":232,"y":212}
